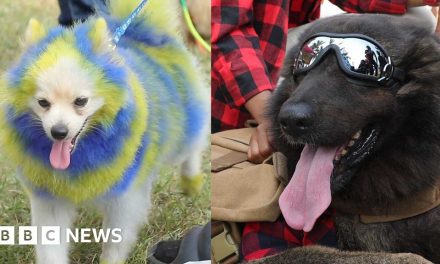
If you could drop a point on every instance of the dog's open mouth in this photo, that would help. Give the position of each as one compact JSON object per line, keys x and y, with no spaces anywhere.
{"x":62,"y":150}
{"x":320,"y":172}
{"x":73,"y":141}
{"x":349,"y":156}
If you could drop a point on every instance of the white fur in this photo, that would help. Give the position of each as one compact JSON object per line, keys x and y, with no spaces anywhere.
{"x":60,"y":85}
{"x":52,"y":212}
{"x":192,"y":162}
{"x":129,"y":212}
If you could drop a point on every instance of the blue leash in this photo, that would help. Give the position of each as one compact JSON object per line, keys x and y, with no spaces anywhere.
{"x":120,"y":31}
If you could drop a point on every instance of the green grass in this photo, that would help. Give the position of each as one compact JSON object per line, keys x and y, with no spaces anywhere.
{"x":172,"y":214}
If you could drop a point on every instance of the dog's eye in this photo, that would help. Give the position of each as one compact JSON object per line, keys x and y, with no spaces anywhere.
{"x":44,"y":103}
{"x":81,"y":101}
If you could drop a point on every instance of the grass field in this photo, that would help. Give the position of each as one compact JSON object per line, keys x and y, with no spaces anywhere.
{"x":172,"y":214}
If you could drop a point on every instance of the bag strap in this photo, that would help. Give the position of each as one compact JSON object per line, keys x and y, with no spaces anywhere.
{"x":228,"y":160}
{"x":225,"y":241}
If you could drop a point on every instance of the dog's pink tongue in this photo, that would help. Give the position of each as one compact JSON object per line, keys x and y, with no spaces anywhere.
{"x":308,"y":194}
{"x":60,"y":154}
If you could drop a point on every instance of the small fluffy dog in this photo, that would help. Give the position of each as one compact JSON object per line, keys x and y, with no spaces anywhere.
{"x":88,"y":122}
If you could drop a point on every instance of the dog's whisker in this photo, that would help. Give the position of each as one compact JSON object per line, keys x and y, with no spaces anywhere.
{"x":98,"y":129}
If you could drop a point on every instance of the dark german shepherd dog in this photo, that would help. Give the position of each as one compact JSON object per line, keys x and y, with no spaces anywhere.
{"x":357,"y":113}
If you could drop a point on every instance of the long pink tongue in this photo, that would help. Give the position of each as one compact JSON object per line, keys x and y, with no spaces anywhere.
{"x":60,"y":154}
{"x":308,"y":194}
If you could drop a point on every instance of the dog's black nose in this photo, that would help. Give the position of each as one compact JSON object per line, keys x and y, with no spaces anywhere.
{"x":59,"y":131}
{"x":296,"y":118}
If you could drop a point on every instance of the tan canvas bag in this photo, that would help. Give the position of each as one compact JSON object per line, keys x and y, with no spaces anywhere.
{"x":243,"y":191}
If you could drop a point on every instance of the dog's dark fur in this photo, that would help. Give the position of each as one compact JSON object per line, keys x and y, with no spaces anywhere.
{"x":407,"y":156}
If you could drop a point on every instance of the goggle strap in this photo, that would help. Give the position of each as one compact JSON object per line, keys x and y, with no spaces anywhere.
{"x":395,"y":87}
{"x":399,"y":75}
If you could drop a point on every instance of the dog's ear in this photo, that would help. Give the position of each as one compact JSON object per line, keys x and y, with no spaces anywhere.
{"x":422,"y":65}
{"x":35,"y":31}
{"x":100,"y":35}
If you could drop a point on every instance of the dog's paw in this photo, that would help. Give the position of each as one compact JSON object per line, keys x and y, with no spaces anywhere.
{"x":191,"y":186}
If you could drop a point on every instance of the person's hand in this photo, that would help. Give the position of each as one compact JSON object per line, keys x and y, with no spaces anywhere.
{"x":259,"y":145}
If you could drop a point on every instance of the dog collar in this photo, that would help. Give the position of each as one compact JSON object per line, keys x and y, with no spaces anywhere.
{"x":414,"y":205}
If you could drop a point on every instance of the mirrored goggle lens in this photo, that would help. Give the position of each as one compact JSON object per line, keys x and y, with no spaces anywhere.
{"x":358,"y":55}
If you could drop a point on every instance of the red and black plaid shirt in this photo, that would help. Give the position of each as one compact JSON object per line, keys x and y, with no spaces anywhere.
{"x":262,"y":239}
{"x":248,"y":45}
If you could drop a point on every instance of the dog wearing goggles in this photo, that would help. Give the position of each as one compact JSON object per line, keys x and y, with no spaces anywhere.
{"x":357,"y":114}
{"x":89,"y":120}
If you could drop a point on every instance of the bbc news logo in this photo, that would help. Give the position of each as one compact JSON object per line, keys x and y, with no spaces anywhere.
{"x":51,"y":235}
